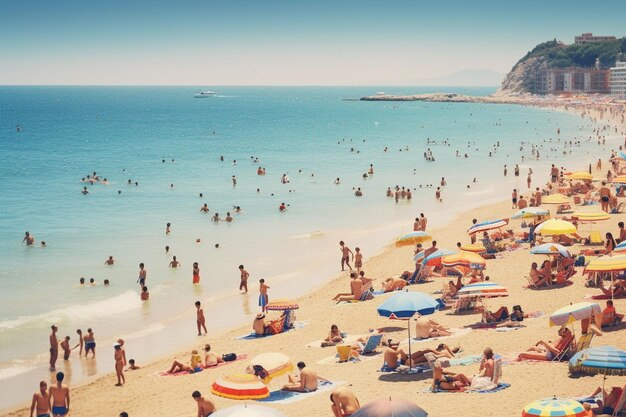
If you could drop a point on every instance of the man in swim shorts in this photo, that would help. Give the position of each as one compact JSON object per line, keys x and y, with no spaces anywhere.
{"x":60,"y":395}
{"x":263,"y":298}
{"x":90,"y":343}
{"x":54,"y":347}
{"x":205,"y":407}
{"x":41,"y":401}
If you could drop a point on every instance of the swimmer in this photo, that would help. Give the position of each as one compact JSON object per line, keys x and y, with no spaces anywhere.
{"x":195,"y":273}
{"x":174,"y":263}
{"x":145,"y":295}
{"x":229,"y":218}
{"x":216,"y":218}
{"x":28,"y":238}
{"x":109,"y":261}
{"x":168,"y":229}
{"x":204,"y":208}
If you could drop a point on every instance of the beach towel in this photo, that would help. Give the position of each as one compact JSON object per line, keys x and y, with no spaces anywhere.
{"x":501,"y":386}
{"x":348,"y":340}
{"x":532,"y":287}
{"x":220,"y":364}
{"x":487,"y":326}
{"x":286,"y":397}
{"x":403,"y":369}
{"x":421,"y":368}
{"x":455,"y":333}
{"x":254,"y":336}
{"x":605,"y":297}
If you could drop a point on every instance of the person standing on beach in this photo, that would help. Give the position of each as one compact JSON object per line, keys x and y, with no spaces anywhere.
{"x":417,"y":224}
{"x":90,"y":343}
{"x":537,"y":196}
{"x":438,"y":195}
{"x":234,"y":181}
{"x":205,"y":407}
{"x":65,"y":345}
{"x":473,"y":235}
{"x":622,"y":232}
{"x":200,"y":319}
{"x":195,"y":273}
{"x":60,"y":397}
{"x":263,"y":297}
{"x":41,"y":401}
{"x":358,"y":260}
{"x":514,"y":198}
{"x":345,"y":255}
{"x":54,"y":347}
{"x":243,"y":283}
{"x":142,"y":275}
{"x":554,"y":174}
{"x":505,"y":170}
{"x":528,"y":180}
{"x":605,"y":197}
{"x":80,"y":342}
{"x":424,"y":222}
{"x":168,"y":229}
{"x":28,"y":239}
{"x":119,"y":365}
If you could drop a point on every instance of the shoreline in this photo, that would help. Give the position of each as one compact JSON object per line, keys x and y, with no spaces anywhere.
{"x":337,"y":281}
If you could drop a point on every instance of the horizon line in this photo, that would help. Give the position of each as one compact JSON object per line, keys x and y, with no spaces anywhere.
{"x":244,"y":85}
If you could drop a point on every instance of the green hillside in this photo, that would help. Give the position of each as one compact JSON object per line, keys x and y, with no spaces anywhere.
{"x":558,"y":55}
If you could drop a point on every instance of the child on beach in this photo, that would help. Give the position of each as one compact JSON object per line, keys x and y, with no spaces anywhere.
{"x":243,"y":284}
{"x":358,"y":260}
{"x":196,"y":273}
{"x":119,"y":366}
{"x":200,"y":320}
{"x":263,"y":298}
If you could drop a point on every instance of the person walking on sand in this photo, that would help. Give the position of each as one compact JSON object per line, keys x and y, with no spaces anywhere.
{"x":195,"y":273}
{"x":54,"y":347}
{"x":60,"y":397}
{"x":263,"y":297}
{"x":200,"y":320}
{"x":358,"y":260}
{"x":345,"y":255}
{"x":41,"y":401}
{"x":90,"y":343}
{"x":119,"y":365}
{"x":143,"y":274}
{"x":243,"y":283}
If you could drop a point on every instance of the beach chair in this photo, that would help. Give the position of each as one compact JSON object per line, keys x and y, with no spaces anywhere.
{"x":584,"y":341}
{"x":566,"y":352}
{"x":345,"y":353}
{"x":367,"y":295}
{"x":595,"y":238}
{"x":621,"y":402}
{"x":372,"y":343}
{"x":497,"y":371}
{"x":489,"y":248}
{"x":531,"y":283}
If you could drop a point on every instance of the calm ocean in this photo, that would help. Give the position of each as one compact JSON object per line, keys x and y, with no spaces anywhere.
{"x":310,"y":134}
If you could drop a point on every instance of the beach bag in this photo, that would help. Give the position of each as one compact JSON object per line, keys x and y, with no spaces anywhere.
{"x":229,"y":357}
{"x":580,"y":261}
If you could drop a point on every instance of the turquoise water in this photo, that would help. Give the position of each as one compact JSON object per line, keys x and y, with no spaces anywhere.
{"x":125,"y":133}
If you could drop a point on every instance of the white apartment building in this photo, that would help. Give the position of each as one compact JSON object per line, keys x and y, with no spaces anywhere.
{"x":618,"y":80}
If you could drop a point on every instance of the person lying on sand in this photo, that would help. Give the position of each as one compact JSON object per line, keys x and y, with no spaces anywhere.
{"x":334,"y":337}
{"x":425,"y":328}
{"x":393,"y":284}
{"x":395,"y":356}
{"x":618,"y":289}
{"x":195,"y":364}
{"x":546,"y":351}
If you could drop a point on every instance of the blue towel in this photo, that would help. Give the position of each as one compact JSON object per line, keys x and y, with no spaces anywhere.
{"x":501,"y":386}
{"x":280,"y":395}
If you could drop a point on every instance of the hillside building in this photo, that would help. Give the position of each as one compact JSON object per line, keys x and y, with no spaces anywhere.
{"x":589,"y":38}
{"x":572,"y":80}
{"x":618,"y":80}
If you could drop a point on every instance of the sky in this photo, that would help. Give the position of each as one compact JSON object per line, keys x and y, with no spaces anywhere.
{"x":280,"y":42}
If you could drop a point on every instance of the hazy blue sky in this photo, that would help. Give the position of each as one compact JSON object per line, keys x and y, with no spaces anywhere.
{"x":264,"y":42}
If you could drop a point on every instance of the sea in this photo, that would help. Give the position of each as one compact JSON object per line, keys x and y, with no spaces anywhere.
{"x":165,"y":153}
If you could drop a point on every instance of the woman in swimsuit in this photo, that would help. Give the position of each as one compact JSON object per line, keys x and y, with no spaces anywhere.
{"x":610,"y":243}
{"x":334,"y":337}
{"x":448,"y":381}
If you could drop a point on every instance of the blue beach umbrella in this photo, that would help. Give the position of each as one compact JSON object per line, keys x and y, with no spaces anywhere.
{"x":530,"y":212}
{"x":390,"y":408}
{"x":404,"y":305}
{"x":603,"y":360}
{"x":551,"y":249}
{"x":621,"y":246}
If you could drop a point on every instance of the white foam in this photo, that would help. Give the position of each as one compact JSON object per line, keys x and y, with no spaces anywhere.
{"x":14,"y":371}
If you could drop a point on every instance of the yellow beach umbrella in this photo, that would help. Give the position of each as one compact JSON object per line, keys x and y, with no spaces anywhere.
{"x":580,"y":175}
{"x":591,"y":216}
{"x":555,"y":199}
{"x":620,"y":179}
{"x":555,"y":227}
{"x":463,"y":258}
{"x":473,"y":247}
{"x":413,"y":238}
{"x":607,"y":263}
{"x":274,"y":364}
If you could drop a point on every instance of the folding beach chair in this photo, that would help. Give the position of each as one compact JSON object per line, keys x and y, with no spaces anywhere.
{"x":584,"y":341}
{"x":619,"y":407}
{"x":531,"y":283}
{"x":345,"y":353}
{"x":489,"y":248}
{"x":372,"y":343}
{"x":497,"y":371}
{"x":566,"y":351}
{"x":367,"y":295}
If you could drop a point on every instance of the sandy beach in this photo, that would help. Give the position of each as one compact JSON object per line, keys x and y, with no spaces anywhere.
{"x":146,"y":393}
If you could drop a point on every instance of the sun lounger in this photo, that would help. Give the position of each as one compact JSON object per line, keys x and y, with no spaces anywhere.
{"x":595,"y":238}
{"x":372,"y":343}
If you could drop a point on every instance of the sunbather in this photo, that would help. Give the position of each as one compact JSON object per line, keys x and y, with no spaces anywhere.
{"x":356,"y":290}
{"x":618,"y":289}
{"x":484,"y":379}
{"x":546,"y":351}
{"x":515,"y":319}
{"x":307,"y":381}
{"x":497,"y":316}
{"x":334,"y":337}
{"x":195,"y":364}
{"x":393,"y":284}
{"x":448,"y":381}
{"x":258,"y":325}
{"x":610,"y":400}
{"x":609,"y":315}
{"x":537,"y":278}
{"x":395,"y":356}
{"x":210,"y":358}
{"x":344,"y":402}
{"x":425,"y":328}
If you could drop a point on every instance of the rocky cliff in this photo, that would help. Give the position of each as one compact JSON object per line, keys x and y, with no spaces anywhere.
{"x":522,"y":77}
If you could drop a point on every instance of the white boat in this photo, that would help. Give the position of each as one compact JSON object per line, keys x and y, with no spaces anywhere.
{"x":204,"y":94}
{"x":381,"y":93}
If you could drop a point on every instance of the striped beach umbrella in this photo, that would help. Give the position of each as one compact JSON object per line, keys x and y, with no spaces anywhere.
{"x":580,"y":175}
{"x":591,"y":216}
{"x":555,"y":199}
{"x":487,"y":225}
{"x":434,"y":258}
{"x":282,"y":304}
{"x":621,"y":247}
{"x":574,"y":312}
{"x":619,"y":179}
{"x":530,"y":212}
{"x":553,"y":407}
{"x":390,"y":408}
{"x":463,"y":258}
{"x":551,"y":249}
{"x":240,"y":387}
{"x":274,"y":363}
{"x":483,"y":289}
{"x":555,"y":227}
{"x":413,"y":238}
{"x":248,"y":410}
{"x":604,"y":360}
{"x":607,"y":263}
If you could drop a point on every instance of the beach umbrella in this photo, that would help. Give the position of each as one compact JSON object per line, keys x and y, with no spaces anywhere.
{"x":554,"y":407}
{"x":439,"y":253}
{"x":274,"y":363}
{"x":603,"y":360}
{"x":555,"y":199}
{"x":591,"y":216}
{"x":413,"y":238}
{"x":555,"y":227}
{"x":621,"y":247}
{"x":574,"y":312}
{"x":551,"y":249}
{"x":405,"y":304}
{"x":240,"y":387}
{"x":463,"y":258}
{"x":580,"y":175}
{"x":390,"y":408}
{"x":483,"y":289}
{"x":473,"y":247}
{"x":487,"y":225}
{"x":248,"y":410}
{"x":282,"y":304}
{"x":621,"y":179}
{"x":607,"y":263}
{"x":530,"y":212}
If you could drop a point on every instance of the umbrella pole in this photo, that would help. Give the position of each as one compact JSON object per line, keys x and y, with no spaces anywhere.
{"x":409,"y":329}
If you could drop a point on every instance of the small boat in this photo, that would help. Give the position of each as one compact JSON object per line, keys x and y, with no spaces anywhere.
{"x":381,"y":93}
{"x":204,"y":94}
